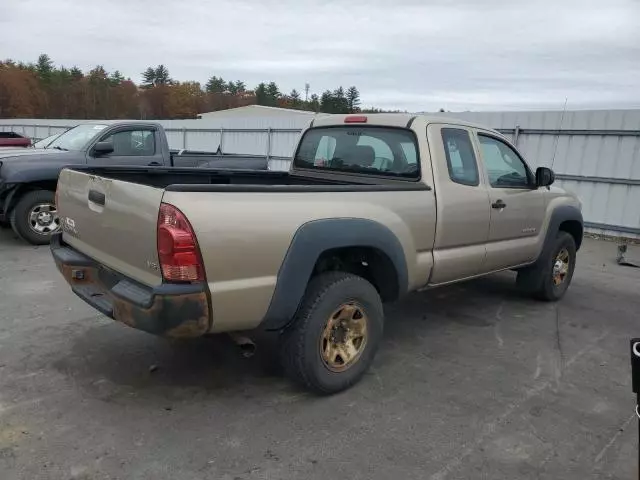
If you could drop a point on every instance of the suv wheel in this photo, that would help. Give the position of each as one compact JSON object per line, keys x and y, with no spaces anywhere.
{"x":35,"y":217}
{"x":335,"y":334}
{"x":549,"y":279}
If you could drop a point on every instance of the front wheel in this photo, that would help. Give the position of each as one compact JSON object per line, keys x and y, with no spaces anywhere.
{"x":549,"y":279}
{"x":35,"y":217}
{"x":335,"y":334}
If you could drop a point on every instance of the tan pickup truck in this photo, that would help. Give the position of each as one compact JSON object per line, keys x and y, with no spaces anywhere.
{"x":373,"y":207}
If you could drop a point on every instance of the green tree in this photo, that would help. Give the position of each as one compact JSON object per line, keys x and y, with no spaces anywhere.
{"x":215,"y":85}
{"x":162,"y":76}
{"x":353,"y":99}
{"x":44,"y":67}
{"x":273,"y":94}
{"x":240,"y":87}
{"x":152,"y":77}
{"x":340,"y":104}
{"x":231,"y":88}
{"x":116,"y":78}
{"x":261,"y":94}
{"x":75,"y":73}
{"x":149,"y":77}
{"x":314,"y":103}
{"x":294,"y":99}
{"x":327,"y":103}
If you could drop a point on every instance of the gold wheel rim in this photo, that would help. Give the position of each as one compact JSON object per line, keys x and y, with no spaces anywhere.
{"x":561,"y":267}
{"x":344,"y":337}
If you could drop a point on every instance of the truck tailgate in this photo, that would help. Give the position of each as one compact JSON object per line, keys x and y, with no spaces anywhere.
{"x":112,"y":221}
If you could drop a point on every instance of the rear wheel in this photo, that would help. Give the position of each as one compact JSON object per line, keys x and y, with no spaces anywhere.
{"x":335,"y":335}
{"x":549,"y":279}
{"x":35,"y":217}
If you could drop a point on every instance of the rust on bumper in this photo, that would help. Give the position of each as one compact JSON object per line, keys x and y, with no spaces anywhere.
{"x":178,"y":316}
{"x":170,"y":310}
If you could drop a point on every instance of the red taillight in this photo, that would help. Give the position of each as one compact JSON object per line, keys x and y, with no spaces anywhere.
{"x":355,"y":119}
{"x":177,"y":247}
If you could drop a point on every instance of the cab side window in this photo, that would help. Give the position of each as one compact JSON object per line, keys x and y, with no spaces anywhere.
{"x":130,"y":143}
{"x":461,"y":160}
{"x":504,"y":166}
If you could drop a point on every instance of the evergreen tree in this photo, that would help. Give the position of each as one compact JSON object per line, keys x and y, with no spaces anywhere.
{"x":116,"y":78}
{"x":294,"y":98}
{"x":353,"y":99}
{"x":240,"y":87}
{"x":340,"y":104}
{"x":261,"y":94}
{"x":149,"y":78}
{"x":273,"y":94}
{"x":44,"y":67}
{"x":75,"y":73}
{"x":215,"y":85}
{"x":314,"y":103}
{"x":162,"y":76}
{"x":231,"y":88}
{"x":327,"y":104}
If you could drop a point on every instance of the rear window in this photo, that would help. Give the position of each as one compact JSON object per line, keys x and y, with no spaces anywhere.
{"x":358,"y":149}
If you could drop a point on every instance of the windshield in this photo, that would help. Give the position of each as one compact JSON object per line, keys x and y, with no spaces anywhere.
{"x":360,"y":149}
{"x":76,"y":138}
{"x":44,"y":143}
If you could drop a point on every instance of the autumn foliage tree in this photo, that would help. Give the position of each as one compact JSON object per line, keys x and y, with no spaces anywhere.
{"x":43,"y":90}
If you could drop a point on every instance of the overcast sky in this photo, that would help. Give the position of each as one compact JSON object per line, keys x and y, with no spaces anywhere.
{"x":406,"y":54}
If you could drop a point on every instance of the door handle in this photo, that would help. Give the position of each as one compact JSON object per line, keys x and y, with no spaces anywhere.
{"x":154,"y":164}
{"x":97,"y":197}
{"x":498,"y":204}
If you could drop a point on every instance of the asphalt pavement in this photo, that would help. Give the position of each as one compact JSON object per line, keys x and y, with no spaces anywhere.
{"x":473,"y":381}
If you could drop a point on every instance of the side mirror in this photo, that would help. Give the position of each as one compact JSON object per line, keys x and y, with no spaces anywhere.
{"x":544,"y":177}
{"x":102,"y":148}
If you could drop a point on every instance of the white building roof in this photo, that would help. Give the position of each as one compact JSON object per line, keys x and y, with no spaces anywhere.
{"x":256,"y":110}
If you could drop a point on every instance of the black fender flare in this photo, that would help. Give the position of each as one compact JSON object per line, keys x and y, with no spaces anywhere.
{"x":309,"y":242}
{"x":21,"y":181}
{"x":559,"y":215}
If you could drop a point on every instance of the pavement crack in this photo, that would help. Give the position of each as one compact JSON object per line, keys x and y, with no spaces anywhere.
{"x":614,"y":438}
{"x":558,"y":340}
{"x":491,"y":427}
{"x":496,"y":325}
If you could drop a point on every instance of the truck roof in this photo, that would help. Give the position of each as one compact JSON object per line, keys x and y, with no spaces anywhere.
{"x":392,"y":119}
{"x":112,"y":122}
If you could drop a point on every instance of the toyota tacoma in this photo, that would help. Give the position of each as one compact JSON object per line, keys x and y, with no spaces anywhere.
{"x":373,"y":207}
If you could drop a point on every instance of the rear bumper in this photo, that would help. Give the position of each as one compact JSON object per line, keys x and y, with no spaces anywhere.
{"x":171,"y":310}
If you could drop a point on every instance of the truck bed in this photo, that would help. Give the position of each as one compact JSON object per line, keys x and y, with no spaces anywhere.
{"x":215,"y":160}
{"x":212,"y":180}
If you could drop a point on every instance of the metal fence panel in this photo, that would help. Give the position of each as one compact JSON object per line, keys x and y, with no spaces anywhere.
{"x":595,"y":154}
{"x":284,"y":143}
{"x":195,"y":140}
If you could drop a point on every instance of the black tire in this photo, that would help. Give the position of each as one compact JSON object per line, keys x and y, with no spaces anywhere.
{"x":20,"y":216}
{"x":538,"y":280}
{"x":301,"y":348}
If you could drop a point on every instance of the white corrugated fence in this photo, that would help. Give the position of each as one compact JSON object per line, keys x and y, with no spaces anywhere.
{"x":595,"y":153}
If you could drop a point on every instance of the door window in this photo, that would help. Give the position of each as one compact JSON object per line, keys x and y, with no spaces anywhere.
{"x":504,"y":166}
{"x":461,"y":160}
{"x":132,"y":143}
